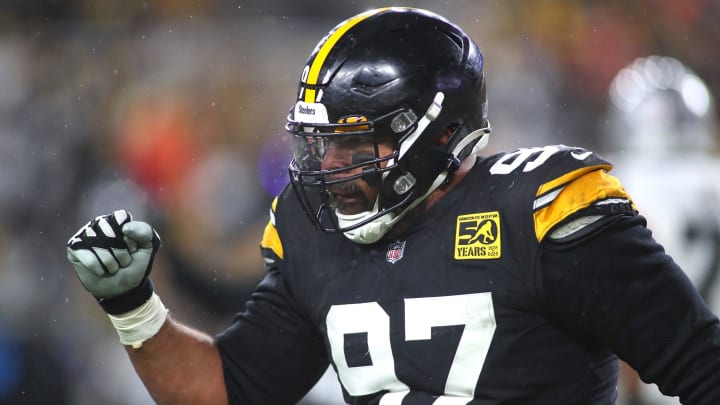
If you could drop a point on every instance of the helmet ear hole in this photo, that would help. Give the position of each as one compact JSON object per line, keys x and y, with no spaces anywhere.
{"x":447,"y":134}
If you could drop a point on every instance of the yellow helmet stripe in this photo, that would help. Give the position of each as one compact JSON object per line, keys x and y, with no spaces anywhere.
{"x":332,"y":39}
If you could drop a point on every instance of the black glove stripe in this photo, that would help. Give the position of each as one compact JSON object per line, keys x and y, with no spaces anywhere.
{"x":100,"y":240}
{"x":82,"y":240}
{"x":104,"y":241}
{"x":114,"y":242}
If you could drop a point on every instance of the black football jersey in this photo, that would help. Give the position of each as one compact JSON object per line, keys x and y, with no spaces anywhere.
{"x":483,"y":300}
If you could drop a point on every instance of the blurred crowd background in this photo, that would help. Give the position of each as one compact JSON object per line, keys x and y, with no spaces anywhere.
{"x":174,"y":110}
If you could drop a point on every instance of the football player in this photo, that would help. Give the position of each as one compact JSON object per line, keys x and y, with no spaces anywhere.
{"x":419,"y":270}
{"x":661,"y":137}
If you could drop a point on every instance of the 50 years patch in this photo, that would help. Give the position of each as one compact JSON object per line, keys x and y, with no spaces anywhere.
{"x":477,"y":236}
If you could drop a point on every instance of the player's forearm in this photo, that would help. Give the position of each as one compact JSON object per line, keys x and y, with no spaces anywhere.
{"x":180,"y":365}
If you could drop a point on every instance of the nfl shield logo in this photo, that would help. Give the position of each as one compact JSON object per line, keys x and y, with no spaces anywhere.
{"x":395,"y":251}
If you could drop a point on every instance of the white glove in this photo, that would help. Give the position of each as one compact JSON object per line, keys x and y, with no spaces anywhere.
{"x":112,"y":256}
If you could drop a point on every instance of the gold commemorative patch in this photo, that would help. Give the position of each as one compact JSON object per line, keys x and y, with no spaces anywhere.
{"x":477,"y":236}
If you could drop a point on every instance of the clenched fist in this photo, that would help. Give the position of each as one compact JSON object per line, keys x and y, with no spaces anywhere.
{"x":112,"y":256}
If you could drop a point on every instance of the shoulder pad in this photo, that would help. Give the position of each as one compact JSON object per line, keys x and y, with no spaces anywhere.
{"x":577,"y":179}
{"x":563,"y":181}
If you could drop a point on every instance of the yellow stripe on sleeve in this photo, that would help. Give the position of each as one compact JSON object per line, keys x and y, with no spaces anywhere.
{"x":580,"y":193}
{"x":568,"y":177}
{"x":271,"y":238}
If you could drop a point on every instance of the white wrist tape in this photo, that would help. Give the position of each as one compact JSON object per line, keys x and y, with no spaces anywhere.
{"x":137,"y":326}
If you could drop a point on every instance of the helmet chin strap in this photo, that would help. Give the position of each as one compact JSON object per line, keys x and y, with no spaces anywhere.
{"x":377,"y":228}
{"x":370,"y":232}
{"x":479,"y":136}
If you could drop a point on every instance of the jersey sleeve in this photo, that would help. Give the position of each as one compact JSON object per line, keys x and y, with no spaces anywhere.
{"x":271,"y":354}
{"x":618,"y":290}
{"x":585,"y":191}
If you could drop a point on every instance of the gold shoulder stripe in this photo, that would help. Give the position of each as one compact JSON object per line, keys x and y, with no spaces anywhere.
{"x":582,"y":192}
{"x":271,"y":238}
{"x":327,"y":46}
{"x":568,"y":177}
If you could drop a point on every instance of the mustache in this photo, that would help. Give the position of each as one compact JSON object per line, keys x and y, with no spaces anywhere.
{"x":335,"y":201}
{"x":348,"y":187}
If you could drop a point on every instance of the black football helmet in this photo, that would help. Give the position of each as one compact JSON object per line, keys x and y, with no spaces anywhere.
{"x":401,"y":75}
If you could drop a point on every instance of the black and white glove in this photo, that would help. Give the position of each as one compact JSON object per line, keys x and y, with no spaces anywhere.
{"x":112,"y":256}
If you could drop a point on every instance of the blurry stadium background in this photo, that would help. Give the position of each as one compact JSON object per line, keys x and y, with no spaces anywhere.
{"x":174,"y":109}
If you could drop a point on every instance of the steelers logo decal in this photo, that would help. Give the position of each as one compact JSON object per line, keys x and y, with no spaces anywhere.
{"x":477,"y":236}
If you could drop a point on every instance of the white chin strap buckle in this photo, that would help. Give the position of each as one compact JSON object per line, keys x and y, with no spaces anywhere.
{"x":370,"y":232}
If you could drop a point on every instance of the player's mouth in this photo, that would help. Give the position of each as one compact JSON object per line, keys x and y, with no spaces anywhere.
{"x":348,"y":198}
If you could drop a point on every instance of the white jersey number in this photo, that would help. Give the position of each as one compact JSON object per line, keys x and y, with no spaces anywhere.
{"x":511,"y":161}
{"x":474,"y":311}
